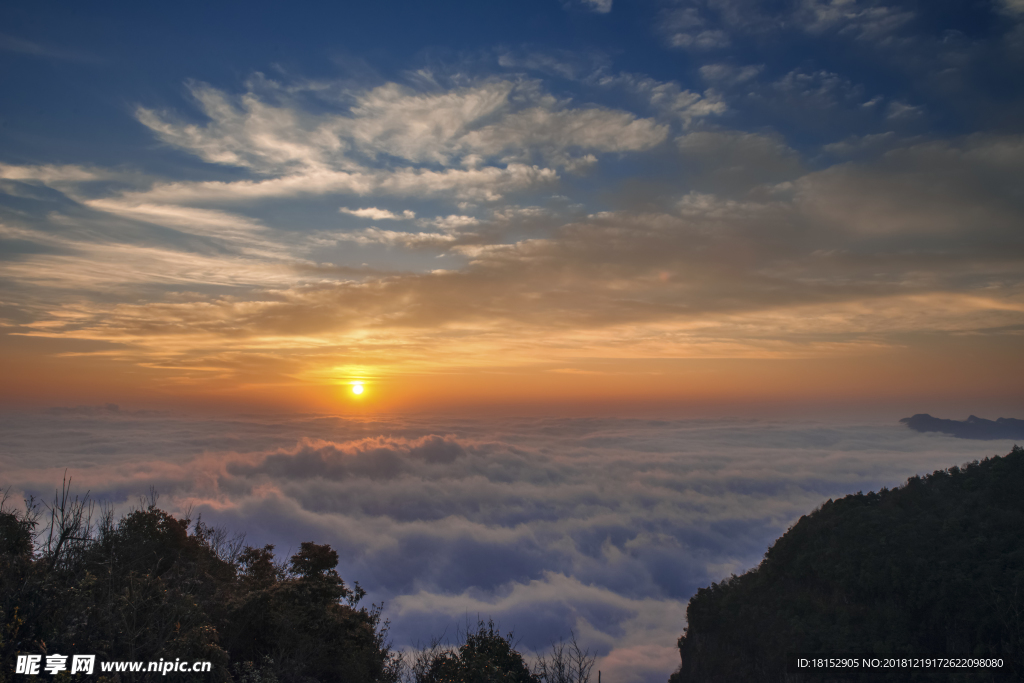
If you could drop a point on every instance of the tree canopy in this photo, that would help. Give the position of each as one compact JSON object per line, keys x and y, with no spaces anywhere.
{"x":150,"y":587}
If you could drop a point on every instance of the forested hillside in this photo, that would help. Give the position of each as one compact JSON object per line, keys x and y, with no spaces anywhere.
{"x":149,"y":587}
{"x":934,"y":566}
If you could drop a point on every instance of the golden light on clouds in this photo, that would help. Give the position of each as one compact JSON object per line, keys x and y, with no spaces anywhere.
{"x":787,"y":354}
{"x":188,"y":288}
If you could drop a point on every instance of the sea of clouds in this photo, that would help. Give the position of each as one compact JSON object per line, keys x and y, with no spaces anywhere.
{"x":602,"y":526}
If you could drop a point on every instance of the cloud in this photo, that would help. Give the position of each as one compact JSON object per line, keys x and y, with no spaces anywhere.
{"x":380,"y":458}
{"x":395,"y":238}
{"x":244,"y":234}
{"x":269,"y":131}
{"x":1012,"y":7}
{"x":715,"y":24}
{"x":921,"y":238}
{"x":451,"y":222}
{"x":483,"y":184}
{"x":902,"y":110}
{"x":909,"y":194}
{"x":109,"y":267}
{"x":596,"y":128}
{"x":874,"y":22}
{"x":28,"y":47}
{"x":568,"y":64}
{"x":818,"y":89}
{"x":379,"y":214}
{"x":860,"y":144}
{"x":599,"y":6}
{"x":685,"y":28}
{"x":603,"y":526}
{"x":727,"y":74}
{"x":666,"y":98}
{"x":56,"y":175}
{"x":738,"y":161}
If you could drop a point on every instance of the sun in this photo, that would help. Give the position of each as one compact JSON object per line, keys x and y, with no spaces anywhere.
{"x":357,"y":388}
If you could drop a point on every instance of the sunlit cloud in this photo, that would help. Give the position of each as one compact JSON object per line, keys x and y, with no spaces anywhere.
{"x":439,"y":221}
{"x":624,"y":284}
{"x":376,"y":214}
{"x":495,"y":117}
{"x":391,"y":237}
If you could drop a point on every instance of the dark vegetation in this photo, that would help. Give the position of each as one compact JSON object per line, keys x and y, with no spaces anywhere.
{"x":934,"y":566}
{"x":972,"y":428}
{"x":149,"y":586}
{"x":483,"y":655}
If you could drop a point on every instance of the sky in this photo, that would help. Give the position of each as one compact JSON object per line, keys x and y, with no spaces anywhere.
{"x":714,"y":207}
{"x":627,"y":287}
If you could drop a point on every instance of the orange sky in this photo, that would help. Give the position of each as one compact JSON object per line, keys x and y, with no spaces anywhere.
{"x":482,"y":245}
{"x":925,"y":373}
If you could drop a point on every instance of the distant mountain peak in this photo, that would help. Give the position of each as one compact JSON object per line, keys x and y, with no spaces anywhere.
{"x":973,"y":427}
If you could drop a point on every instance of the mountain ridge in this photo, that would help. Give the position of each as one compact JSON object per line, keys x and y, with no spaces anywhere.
{"x":973,"y":427}
{"x":933,"y":566}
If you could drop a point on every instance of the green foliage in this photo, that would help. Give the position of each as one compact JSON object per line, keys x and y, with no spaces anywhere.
{"x":150,"y":586}
{"x":935,"y":566}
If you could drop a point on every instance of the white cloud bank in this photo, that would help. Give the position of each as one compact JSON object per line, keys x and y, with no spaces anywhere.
{"x":603,"y":526}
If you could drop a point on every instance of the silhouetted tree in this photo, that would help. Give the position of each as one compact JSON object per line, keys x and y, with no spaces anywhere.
{"x":567,"y":663}
{"x":150,"y":586}
{"x":485,"y":656}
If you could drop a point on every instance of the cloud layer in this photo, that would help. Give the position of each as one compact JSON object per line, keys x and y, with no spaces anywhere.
{"x":603,"y":526}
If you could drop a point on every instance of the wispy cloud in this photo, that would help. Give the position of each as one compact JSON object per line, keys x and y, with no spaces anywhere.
{"x":27,"y":47}
{"x":716,"y":24}
{"x":392,"y":237}
{"x":825,"y":268}
{"x":1013,"y":6}
{"x":873,"y":22}
{"x":686,"y":28}
{"x":494,"y":119}
{"x":730,"y":75}
{"x":376,"y":214}
{"x":52,"y":174}
{"x":599,"y":6}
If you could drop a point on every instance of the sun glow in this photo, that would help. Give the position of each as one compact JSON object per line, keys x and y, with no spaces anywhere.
{"x":357,"y":388}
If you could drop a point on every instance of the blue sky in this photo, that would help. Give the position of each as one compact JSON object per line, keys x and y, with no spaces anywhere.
{"x":73,"y":75}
